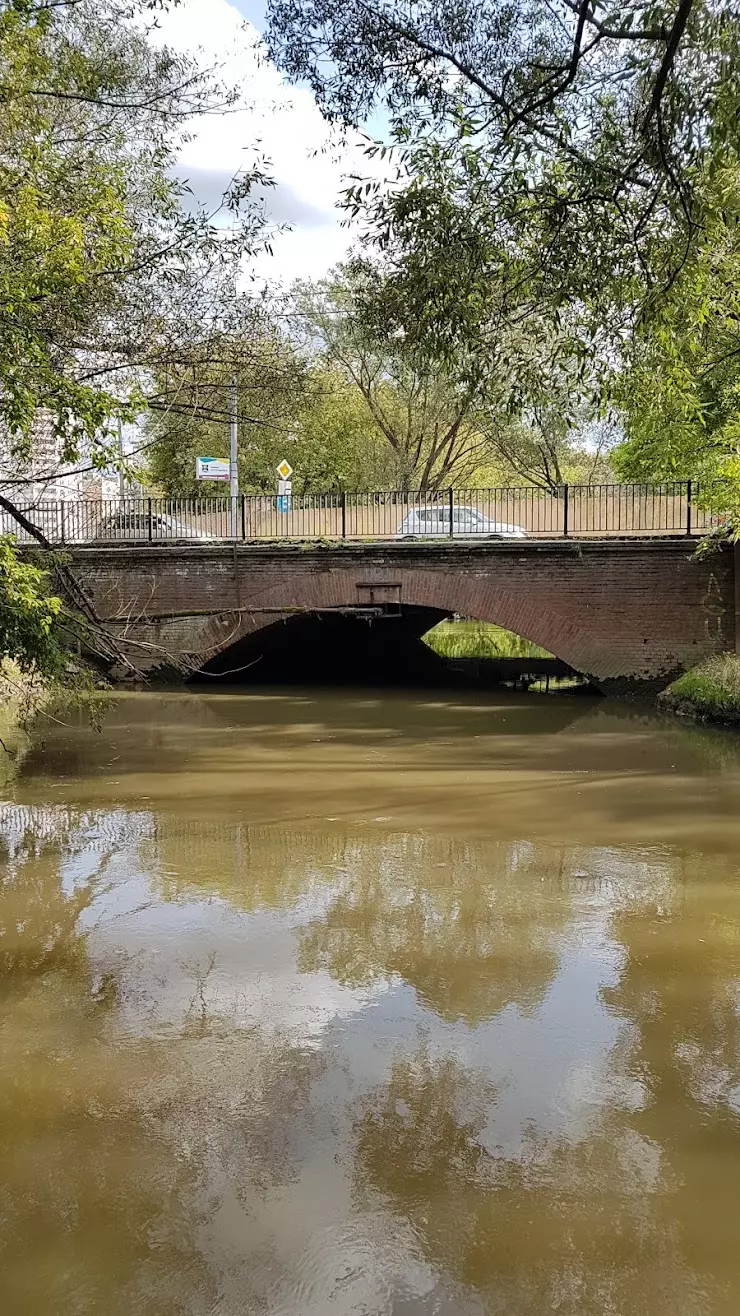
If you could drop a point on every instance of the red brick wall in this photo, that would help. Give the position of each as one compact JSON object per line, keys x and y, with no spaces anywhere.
{"x":618,"y":611}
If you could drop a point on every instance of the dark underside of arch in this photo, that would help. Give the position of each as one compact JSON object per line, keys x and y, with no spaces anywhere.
{"x":353,"y":648}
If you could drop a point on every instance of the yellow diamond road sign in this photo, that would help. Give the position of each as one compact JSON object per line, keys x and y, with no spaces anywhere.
{"x":285,"y":470}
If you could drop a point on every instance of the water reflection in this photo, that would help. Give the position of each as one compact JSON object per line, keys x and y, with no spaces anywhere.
{"x":681,"y":986}
{"x":569,"y":1227}
{"x":117,"y":1144}
{"x":276,"y":1039}
{"x":450,"y":919}
{"x":495,"y":768}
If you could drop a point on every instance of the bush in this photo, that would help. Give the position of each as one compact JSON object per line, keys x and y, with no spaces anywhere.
{"x":29,"y":615}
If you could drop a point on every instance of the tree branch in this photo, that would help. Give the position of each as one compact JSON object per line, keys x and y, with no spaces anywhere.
{"x":674,"y":38}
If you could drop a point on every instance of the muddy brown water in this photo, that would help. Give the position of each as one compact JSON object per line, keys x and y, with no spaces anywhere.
{"x":316,"y":1004}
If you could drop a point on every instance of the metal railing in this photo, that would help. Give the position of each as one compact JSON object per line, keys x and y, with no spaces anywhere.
{"x":577,"y":511}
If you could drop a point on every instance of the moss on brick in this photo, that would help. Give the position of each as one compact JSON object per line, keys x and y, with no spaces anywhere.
{"x":709,"y":692}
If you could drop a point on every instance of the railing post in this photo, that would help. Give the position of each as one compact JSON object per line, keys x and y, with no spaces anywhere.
{"x":689,"y":491}
{"x":61,"y":521}
{"x":344,"y":515}
{"x":244,"y":516}
{"x":149,"y":519}
{"x":451,"y":502}
{"x":566,"y":509}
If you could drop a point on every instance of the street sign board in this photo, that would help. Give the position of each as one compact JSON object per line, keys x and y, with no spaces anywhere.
{"x":212,"y":468}
{"x":285,"y":470}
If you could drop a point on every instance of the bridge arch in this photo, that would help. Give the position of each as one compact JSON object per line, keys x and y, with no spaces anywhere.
{"x":425,"y":598}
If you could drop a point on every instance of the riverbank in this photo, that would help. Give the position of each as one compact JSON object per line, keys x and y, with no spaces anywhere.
{"x":20,"y":698}
{"x":26,"y":697}
{"x":22,"y":695}
{"x":707,"y":693}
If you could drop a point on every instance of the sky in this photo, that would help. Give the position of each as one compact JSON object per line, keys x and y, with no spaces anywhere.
{"x":308,"y":163}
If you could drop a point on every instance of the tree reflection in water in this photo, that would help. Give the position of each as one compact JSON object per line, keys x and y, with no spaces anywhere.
{"x":453,"y":919}
{"x":117,"y":1146}
{"x":334,"y":1069}
{"x":681,"y":987}
{"x":574,"y":1227}
{"x":635,"y":1211}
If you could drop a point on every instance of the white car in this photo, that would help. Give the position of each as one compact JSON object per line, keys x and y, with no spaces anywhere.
{"x":434,"y":522}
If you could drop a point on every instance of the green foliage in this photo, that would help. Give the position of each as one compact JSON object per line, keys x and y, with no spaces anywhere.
{"x":454,"y":417}
{"x":427,"y":416}
{"x":194,"y":421}
{"x":583,"y":124}
{"x":28,"y":616}
{"x":339,"y":445}
{"x":680,"y":395}
{"x":355,"y":405}
{"x":546,"y":448}
{"x":62,"y":226}
{"x":103,"y":274}
{"x":288,"y":407}
{"x":548,"y":166}
{"x":479,"y":639}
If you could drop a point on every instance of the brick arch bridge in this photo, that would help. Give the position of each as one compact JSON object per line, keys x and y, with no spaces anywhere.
{"x":624,"y":612}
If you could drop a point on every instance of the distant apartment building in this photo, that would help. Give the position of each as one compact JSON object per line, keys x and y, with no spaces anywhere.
{"x":44,"y":477}
{"x":51,"y":493}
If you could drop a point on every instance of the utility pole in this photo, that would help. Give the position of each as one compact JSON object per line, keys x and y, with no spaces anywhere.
{"x":121,"y":476}
{"x":233,"y":456}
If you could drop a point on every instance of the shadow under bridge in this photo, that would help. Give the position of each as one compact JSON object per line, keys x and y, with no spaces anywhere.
{"x":359,"y":646}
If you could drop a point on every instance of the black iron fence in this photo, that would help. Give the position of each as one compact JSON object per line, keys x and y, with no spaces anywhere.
{"x":578,"y":511}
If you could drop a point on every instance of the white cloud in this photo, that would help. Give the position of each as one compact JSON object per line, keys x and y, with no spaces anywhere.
{"x":283,"y":123}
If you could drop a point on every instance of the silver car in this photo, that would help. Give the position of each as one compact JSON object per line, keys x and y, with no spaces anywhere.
{"x":82,"y":523}
{"x":139,"y":525}
{"x":434,"y":522}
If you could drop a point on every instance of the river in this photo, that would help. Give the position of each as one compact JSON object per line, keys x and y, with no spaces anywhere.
{"x":318,"y":1004}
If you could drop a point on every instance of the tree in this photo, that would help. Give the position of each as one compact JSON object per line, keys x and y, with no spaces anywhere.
{"x":29,"y":614}
{"x":546,"y":452}
{"x":339,"y":444}
{"x":548,"y":164}
{"x":288,"y":407}
{"x":680,"y":395}
{"x":427,"y":416}
{"x":589,"y":117}
{"x":105,"y":279}
{"x":192,"y":416}
{"x":455,"y":421}
{"x":103,"y":274}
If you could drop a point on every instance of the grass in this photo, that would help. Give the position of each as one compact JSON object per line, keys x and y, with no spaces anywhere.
{"x":710,"y":692}
{"x":479,"y":639}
